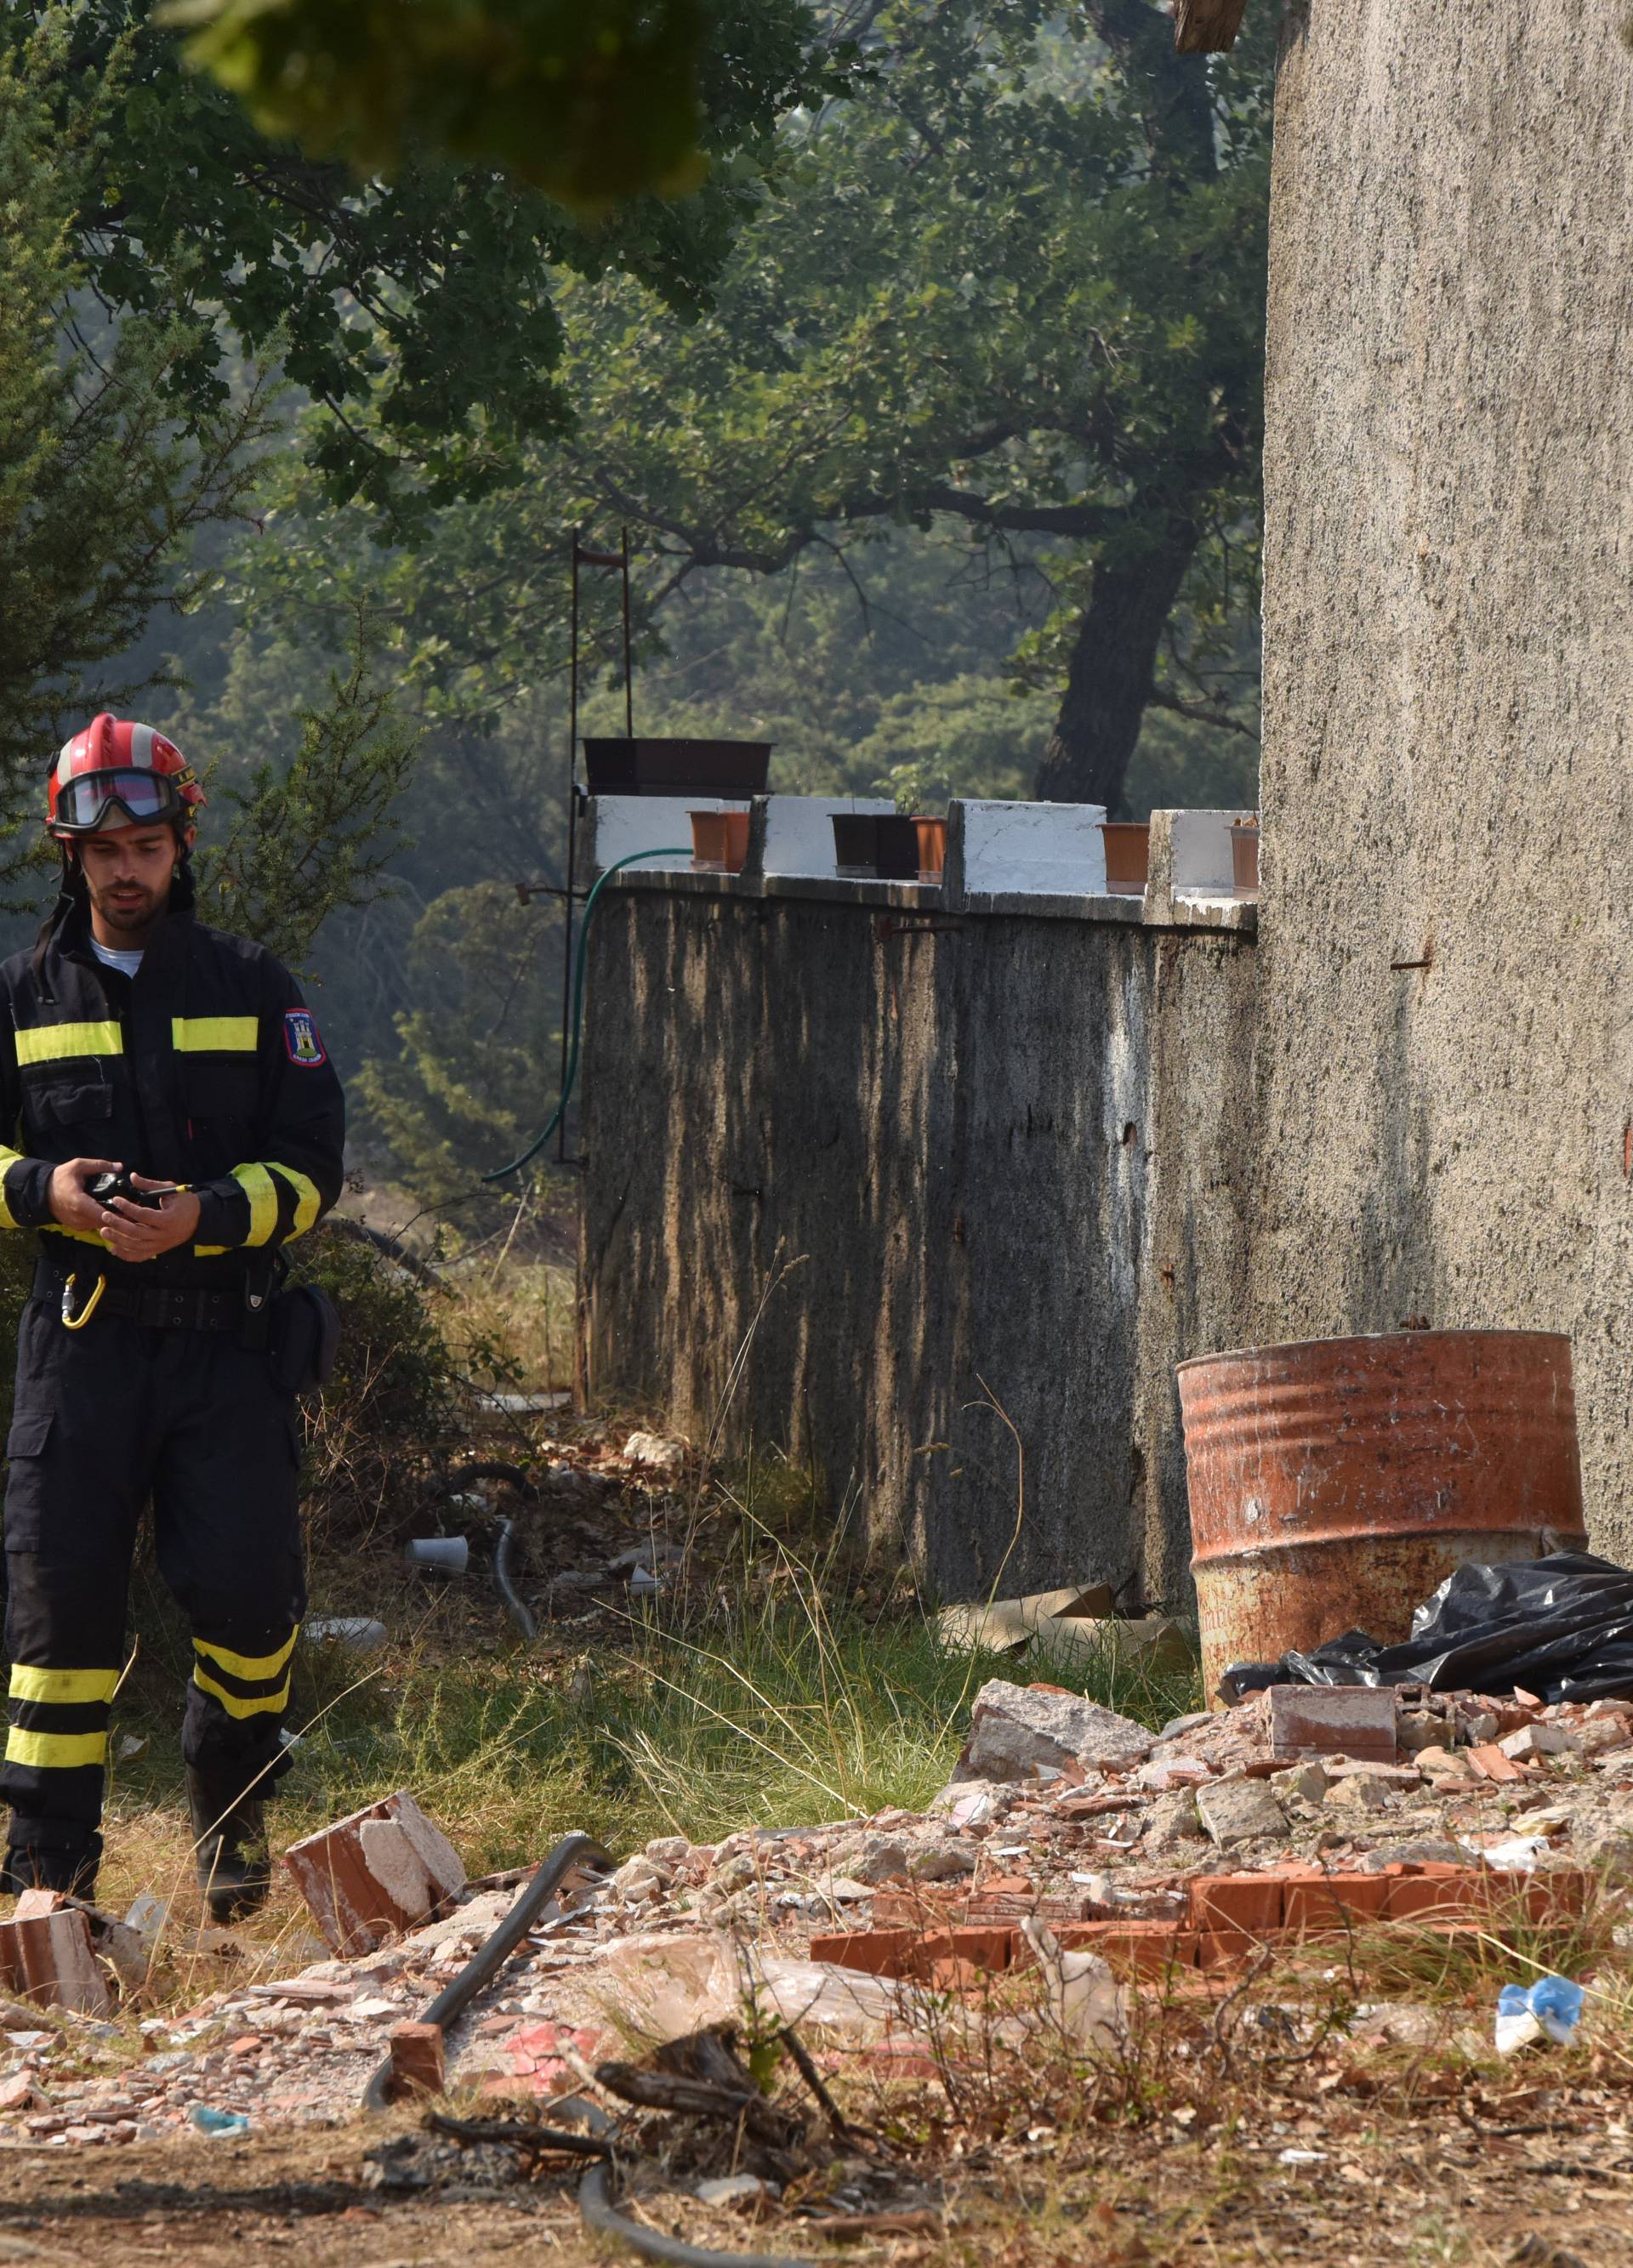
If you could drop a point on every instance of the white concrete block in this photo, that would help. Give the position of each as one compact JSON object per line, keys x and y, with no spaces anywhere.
{"x":799,"y":830}
{"x":1202,"y":853}
{"x":623,"y":824}
{"x":1041,"y":848}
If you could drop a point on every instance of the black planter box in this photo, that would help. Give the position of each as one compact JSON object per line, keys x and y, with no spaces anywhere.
{"x":878,"y":843}
{"x":725,"y":768}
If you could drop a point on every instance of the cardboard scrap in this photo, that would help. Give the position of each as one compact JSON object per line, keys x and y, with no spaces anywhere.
{"x":1077,"y":1622}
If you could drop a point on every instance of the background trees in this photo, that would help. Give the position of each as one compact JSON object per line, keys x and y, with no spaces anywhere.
{"x":933,"y":415}
{"x":1011,"y":297}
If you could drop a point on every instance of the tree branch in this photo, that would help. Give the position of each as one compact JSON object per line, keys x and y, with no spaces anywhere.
{"x":1199,"y":712}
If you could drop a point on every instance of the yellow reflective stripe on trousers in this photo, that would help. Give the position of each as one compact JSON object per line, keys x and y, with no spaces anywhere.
{"x":55,"y":1751}
{"x":51,"y":1043}
{"x":64,"y":1686}
{"x":259,"y":1186}
{"x":233,"y":1704}
{"x":310,"y":1204}
{"x":252,"y":1668}
{"x":202,"y":1035}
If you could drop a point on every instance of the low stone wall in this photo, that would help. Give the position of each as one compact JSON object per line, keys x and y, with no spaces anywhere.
{"x":932,"y":1192}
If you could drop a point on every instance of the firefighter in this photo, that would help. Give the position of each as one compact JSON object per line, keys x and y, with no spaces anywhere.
{"x":156,"y":1356}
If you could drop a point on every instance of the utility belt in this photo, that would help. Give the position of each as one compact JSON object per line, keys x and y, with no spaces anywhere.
{"x":299,"y":1330}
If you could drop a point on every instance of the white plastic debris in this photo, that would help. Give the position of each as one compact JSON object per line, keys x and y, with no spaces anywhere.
{"x":358,"y":1633}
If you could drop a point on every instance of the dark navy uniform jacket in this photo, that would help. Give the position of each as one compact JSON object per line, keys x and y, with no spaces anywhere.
{"x":205,"y":1068}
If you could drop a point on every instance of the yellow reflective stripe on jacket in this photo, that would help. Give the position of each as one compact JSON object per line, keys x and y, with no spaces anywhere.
{"x":197,"y":1035}
{"x":8,"y":1158}
{"x":55,"y":1751}
{"x":309,"y":1202}
{"x":63,"y":1686}
{"x":252,"y":1668}
{"x":264,"y":1704}
{"x":79,"y":1235}
{"x":51,"y":1043}
{"x":259,"y":1186}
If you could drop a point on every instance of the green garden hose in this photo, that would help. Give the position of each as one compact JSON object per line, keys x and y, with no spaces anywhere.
{"x":674,"y":851}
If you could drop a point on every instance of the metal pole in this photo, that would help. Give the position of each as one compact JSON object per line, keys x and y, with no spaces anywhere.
{"x":572,"y":844}
{"x":629,"y":696}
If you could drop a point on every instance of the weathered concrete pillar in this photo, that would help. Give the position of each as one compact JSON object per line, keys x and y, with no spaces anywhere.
{"x":1446,"y":1051}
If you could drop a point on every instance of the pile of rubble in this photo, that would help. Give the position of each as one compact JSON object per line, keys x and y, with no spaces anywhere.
{"x":1067,"y":1833}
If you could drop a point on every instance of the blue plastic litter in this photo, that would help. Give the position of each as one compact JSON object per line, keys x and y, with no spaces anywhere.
{"x":217,"y":2122}
{"x":1553,"y":2006}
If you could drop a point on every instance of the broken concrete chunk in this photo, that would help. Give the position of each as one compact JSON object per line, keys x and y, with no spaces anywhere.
{"x":1309,"y":1782}
{"x":1333,"y":1720}
{"x":873,"y":1858}
{"x":369,"y":1877}
{"x":1440,"y":1763}
{"x":1017,"y":1730}
{"x":1361,"y":1792}
{"x":972,"y":1803}
{"x":1537,"y":1741}
{"x":638,"y":1879}
{"x":1177,"y":1728}
{"x":1172,"y":1823}
{"x":940,"y":1862}
{"x":1240,"y":1811}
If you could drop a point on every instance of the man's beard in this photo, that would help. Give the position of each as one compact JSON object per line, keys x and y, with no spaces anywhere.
{"x":133,"y":913}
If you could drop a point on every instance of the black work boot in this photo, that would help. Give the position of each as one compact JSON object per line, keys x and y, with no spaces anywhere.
{"x":229,"y":1847}
{"x":50,"y":1858}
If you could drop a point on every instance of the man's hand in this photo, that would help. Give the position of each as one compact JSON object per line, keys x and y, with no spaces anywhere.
{"x":70,"y":1196}
{"x":133,"y":1231}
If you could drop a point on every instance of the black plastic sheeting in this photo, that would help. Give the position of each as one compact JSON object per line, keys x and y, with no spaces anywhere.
{"x":1561,"y":1627}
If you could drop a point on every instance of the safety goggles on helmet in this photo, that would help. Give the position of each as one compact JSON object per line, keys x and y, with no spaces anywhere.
{"x":118,"y":798}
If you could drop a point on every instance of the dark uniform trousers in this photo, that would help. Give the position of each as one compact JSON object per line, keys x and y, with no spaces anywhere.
{"x":205,"y":1069}
{"x":102,"y":1416}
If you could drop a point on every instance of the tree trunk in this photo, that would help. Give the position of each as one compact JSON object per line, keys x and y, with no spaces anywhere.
{"x":1110,"y":677}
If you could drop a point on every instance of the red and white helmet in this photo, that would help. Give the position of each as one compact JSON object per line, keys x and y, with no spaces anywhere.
{"x":116,"y":774}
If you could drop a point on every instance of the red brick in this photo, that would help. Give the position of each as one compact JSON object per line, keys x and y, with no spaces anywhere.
{"x":1146,"y":1948}
{"x":416,"y":2059}
{"x":1225,"y":1949}
{"x":1559,"y":1895}
{"x":1246,"y":1904}
{"x":1008,"y":1886}
{"x":877,"y":1952}
{"x":1489,"y":1762}
{"x":981,"y":1948}
{"x":1333,"y":1720}
{"x":1443,"y":1893}
{"x":951,"y":1975}
{"x":380,"y":1871}
{"x":48,"y":1960}
{"x":1337,"y":1901}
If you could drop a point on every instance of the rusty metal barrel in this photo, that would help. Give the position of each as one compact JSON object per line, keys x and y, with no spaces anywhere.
{"x":1336,"y":1483}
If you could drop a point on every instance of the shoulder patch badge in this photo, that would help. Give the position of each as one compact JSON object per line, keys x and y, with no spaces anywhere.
{"x":300,"y":1038}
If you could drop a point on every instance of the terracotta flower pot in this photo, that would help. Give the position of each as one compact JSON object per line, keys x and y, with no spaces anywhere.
{"x":932,"y":835}
{"x":1245,"y":857}
{"x":1127,"y":853}
{"x":720,"y":841}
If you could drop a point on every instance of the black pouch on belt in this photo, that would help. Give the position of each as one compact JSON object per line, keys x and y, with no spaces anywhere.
{"x":304,"y":1338}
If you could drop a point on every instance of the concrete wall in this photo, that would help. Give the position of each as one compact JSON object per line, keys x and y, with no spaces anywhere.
{"x":1003,"y":1156}
{"x":1448,"y":672}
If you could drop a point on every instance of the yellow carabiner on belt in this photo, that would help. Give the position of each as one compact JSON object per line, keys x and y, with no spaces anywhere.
{"x":77,"y":1323}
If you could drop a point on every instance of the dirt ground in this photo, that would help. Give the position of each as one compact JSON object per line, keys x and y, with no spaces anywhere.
{"x":1437,"y":2192}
